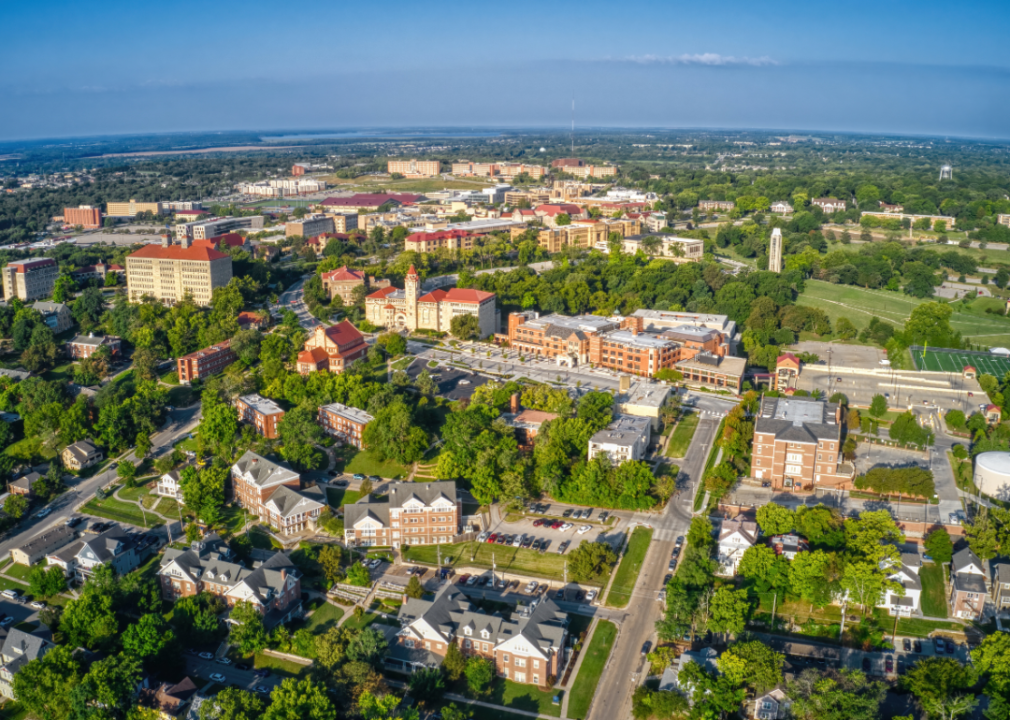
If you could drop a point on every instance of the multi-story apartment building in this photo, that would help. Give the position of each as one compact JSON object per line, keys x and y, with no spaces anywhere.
{"x":261,"y":413}
{"x":30,"y":279}
{"x":332,"y":348}
{"x":508,"y":171}
{"x":528,"y":648}
{"x":347,"y":424}
{"x":310,"y":225}
{"x":408,"y":308}
{"x":566,"y":163}
{"x":204,"y":363}
{"x":626,"y":438}
{"x":798,"y":445}
{"x":718,"y":205}
{"x":829,"y":205}
{"x":133,"y":208}
{"x":424,"y":242}
{"x":411,"y":514}
{"x":343,"y":222}
{"x":205,"y":229}
{"x":530,"y":197}
{"x":84,"y":346}
{"x":969,"y":585}
{"x":273,"y":492}
{"x":368,"y":202}
{"x":283,"y":187}
{"x":414,"y":168}
{"x":274,"y":587}
{"x":84,"y":215}
{"x":171,"y":273}
{"x":43,"y":544}
{"x":592,"y":171}
{"x":81,"y":455}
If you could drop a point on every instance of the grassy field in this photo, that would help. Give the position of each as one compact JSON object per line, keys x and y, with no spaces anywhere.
{"x":281,"y":667}
{"x":338,"y":496}
{"x":171,"y":377}
{"x":955,"y":361}
{"x":359,"y":623}
{"x":859,"y":305}
{"x":134,"y":493}
{"x":934,"y":597}
{"x":324,"y":617}
{"x":591,"y":669}
{"x":631,"y":565}
{"x":683,"y":435}
{"x":63,"y":373}
{"x":20,"y":571}
{"x":548,"y":565}
{"x":112,"y":509}
{"x":351,"y":460}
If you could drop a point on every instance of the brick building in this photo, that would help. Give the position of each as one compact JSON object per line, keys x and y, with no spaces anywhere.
{"x":414,"y":168}
{"x":274,"y":587}
{"x":442,"y":240}
{"x":343,"y":280}
{"x":273,"y":492}
{"x":347,"y":424}
{"x":798,"y":445}
{"x":411,"y":514}
{"x":206,"y":362}
{"x":30,"y":279}
{"x":261,"y":413}
{"x":332,"y":348}
{"x":84,"y":346}
{"x":86,"y":216}
{"x":528,"y":648}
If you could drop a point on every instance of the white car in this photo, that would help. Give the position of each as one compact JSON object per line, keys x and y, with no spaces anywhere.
{"x":375,"y":563}
{"x":590,"y":596}
{"x":223,"y":661}
{"x":37,"y":604}
{"x":531,"y":586}
{"x":584,"y":529}
{"x":206,"y":656}
{"x":217,"y":677}
{"x":566,"y":527}
{"x":472,"y":580}
{"x":518,"y":541}
{"x":12,"y":594}
{"x":483,"y":536}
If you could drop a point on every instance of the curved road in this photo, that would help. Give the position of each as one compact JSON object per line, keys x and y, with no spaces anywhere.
{"x":293,"y":299}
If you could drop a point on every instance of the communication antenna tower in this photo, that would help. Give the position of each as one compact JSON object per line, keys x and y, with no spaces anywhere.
{"x":573,"y":124}
{"x":946,"y":172}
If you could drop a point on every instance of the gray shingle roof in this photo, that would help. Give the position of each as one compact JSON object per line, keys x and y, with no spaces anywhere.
{"x":427,"y":493}
{"x":963,"y":559}
{"x":20,"y":648}
{"x":798,"y":420}
{"x":82,"y":449}
{"x":263,"y":472}
{"x":290,"y":501}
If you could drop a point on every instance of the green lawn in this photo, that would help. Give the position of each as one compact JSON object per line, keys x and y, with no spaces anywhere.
{"x":591,"y":669}
{"x":548,"y":565}
{"x":682,"y":436}
{"x":112,"y":509}
{"x":359,"y":623}
{"x":324,"y":617}
{"x":281,"y":667}
{"x":63,"y":372}
{"x":631,"y":565}
{"x":171,"y":377}
{"x":261,"y":540}
{"x":6,"y":584}
{"x":403,"y":363}
{"x":484,"y":713}
{"x":134,"y":493}
{"x":21,"y":571}
{"x":934,"y":597}
{"x":12,"y":710}
{"x":187,"y":444}
{"x":338,"y":497}
{"x":351,"y":460}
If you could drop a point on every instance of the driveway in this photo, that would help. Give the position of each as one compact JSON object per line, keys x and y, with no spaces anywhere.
{"x":245,"y":679}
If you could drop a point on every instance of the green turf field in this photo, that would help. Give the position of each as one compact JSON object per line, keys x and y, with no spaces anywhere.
{"x":955,"y":361}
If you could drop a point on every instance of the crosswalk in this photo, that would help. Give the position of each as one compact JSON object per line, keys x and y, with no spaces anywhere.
{"x":664,"y":533}
{"x":712,"y":413}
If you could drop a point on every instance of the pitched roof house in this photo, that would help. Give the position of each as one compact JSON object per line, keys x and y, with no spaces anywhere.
{"x":735,"y":536}
{"x":968,"y":585}
{"x":19,"y":649}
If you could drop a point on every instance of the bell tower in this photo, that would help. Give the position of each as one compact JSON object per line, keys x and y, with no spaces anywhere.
{"x":411,"y":291}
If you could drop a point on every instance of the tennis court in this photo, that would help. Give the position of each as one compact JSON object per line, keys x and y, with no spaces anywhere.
{"x":955,"y":361}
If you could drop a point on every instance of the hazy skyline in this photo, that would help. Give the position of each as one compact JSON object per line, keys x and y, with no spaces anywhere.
{"x":79,"y":69}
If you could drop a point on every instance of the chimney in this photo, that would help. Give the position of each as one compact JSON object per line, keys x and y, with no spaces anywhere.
{"x":514,"y":403}
{"x":185,"y":241}
{"x":166,"y":240}
{"x":625,"y":383}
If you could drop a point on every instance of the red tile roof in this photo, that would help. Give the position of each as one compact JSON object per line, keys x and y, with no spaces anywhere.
{"x":229,"y":239}
{"x":562,"y":208}
{"x":314,"y":356}
{"x":788,"y":356}
{"x":177,"y":252}
{"x":249,"y":318}
{"x":342,"y":274}
{"x":383,"y":292}
{"x":460,"y":295}
{"x":370,"y":199}
{"x":990,"y":407}
{"x":344,"y":333}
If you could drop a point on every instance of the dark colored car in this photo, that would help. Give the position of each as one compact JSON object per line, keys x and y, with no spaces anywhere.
{"x":676,"y":551}
{"x":917,"y":646}
{"x":950,"y":647}
{"x":567,"y":513}
{"x":560,"y":594}
{"x":901,"y":666}
{"x":543,"y":548}
{"x":673,"y":565}
{"x":603,"y":516}
{"x":889,"y":664}
{"x":580,"y":596}
{"x":866,"y":664}
{"x":667,"y":579}
{"x":462,"y":579}
{"x":536,"y":544}
{"x":528,"y":541}
{"x":501,"y":539}
{"x":241,"y":666}
{"x":265,"y":672}
{"x":906,"y":645}
{"x":646,"y":647}
{"x":538,"y":522}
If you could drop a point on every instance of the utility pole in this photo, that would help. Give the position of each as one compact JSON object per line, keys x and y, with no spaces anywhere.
{"x":775,"y":598}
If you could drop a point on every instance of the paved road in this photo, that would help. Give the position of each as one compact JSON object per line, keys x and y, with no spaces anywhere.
{"x":626,"y":668}
{"x":181,"y":422}
{"x":293,"y":299}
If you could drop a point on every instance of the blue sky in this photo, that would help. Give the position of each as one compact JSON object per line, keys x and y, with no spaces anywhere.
{"x":86,"y":68}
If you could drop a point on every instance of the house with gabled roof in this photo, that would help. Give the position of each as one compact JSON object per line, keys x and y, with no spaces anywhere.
{"x":735,"y":537}
{"x":115,"y":547}
{"x":772,"y":705}
{"x":413,"y":513}
{"x":969,"y":585}
{"x":256,"y":481}
{"x":904,"y":572}
{"x":527,"y":647}
{"x":169,"y":699}
{"x":332,"y":348}
{"x":208,"y":565}
{"x":19,"y":649}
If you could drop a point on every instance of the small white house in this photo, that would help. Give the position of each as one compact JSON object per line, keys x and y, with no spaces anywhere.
{"x":772,"y":706}
{"x":905,"y":572}
{"x":735,"y":537}
{"x":170,"y":486}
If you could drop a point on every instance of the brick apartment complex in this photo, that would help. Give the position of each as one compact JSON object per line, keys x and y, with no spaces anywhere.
{"x":84,"y":346}
{"x":86,"y":216}
{"x":528,"y":648}
{"x":310,"y":225}
{"x":565,"y":163}
{"x":969,"y":585}
{"x":347,"y":424}
{"x":273,"y":492}
{"x":414,"y":168}
{"x":204,"y":363}
{"x":368,"y":202}
{"x":170,"y":273}
{"x":274,"y":587}
{"x":30,"y":279}
{"x":283,"y":187}
{"x":133,"y":208}
{"x":798,"y":445}
{"x":332,"y":348}
{"x":412,"y":514}
{"x":298,"y":169}
{"x":591,"y":171}
{"x":426,"y":242}
{"x":261,"y":413}
{"x":343,"y":280}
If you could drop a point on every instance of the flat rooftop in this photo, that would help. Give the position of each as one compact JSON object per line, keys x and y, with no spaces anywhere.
{"x":625,"y":430}
{"x":350,"y":413}
{"x":645,"y":394}
{"x":585,"y":323}
{"x":641,"y":340}
{"x":262,"y":405}
{"x":798,"y":411}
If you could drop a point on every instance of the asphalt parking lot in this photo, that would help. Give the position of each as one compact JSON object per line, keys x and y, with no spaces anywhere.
{"x":856,"y":356}
{"x":527,"y":525}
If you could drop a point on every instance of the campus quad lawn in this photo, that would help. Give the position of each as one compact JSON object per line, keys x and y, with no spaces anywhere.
{"x":337,"y":497}
{"x":591,"y":669}
{"x":934,"y":601}
{"x":631,"y":565}
{"x":351,"y":460}
{"x":112,"y":509}
{"x":682,"y":436}
{"x":548,"y":565}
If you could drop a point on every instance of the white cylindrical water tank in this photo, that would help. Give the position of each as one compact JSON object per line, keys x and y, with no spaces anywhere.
{"x":992,"y":474}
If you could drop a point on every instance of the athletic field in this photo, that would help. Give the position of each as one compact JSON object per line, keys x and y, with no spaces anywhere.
{"x":955,"y":361}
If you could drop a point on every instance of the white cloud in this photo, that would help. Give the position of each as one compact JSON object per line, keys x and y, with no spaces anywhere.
{"x":711,"y":59}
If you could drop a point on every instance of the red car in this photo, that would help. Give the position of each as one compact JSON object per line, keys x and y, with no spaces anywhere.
{"x":538,"y":522}
{"x":493,"y":538}
{"x":462,"y":579}
{"x":556,"y":524}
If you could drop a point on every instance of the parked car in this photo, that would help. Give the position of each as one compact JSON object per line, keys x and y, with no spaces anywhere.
{"x":375,"y":563}
{"x":502,"y":539}
{"x":938,"y":645}
{"x":359,"y":476}
{"x":217,"y":677}
{"x":901,"y":666}
{"x":223,"y":661}
{"x":579,"y":596}
{"x":493,"y":538}
{"x":567,"y":513}
{"x":584,"y":529}
{"x":676,"y":551}
{"x":538,"y":522}
{"x":536,"y":544}
{"x":950,"y":647}
{"x":557,"y":524}
{"x":586,"y":513}
{"x":261,"y":690}
{"x":527,"y":540}
{"x":564,"y":547}
{"x":513,"y":585}
{"x":375,"y":478}
{"x":866,"y":664}
{"x":472,"y":580}
{"x":531,"y":586}
{"x":906,"y":645}
{"x":560,"y":594}
{"x":6,"y":621}
{"x":917,"y":646}
{"x":667,"y":579}
{"x":545,"y":545}
{"x":207,"y":656}
{"x":264,"y":672}
{"x":680,"y":541}
{"x":72,"y":521}
{"x":590,"y":596}
{"x":463,"y":579}
{"x":646,"y":647}
{"x":517,"y":541}
{"x":889,"y":664}
{"x":242,"y":666}
{"x":673,"y":565}
{"x":604,"y":515}
{"x":565,"y":527}
{"x":38,"y":604}
{"x":483,"y":536}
